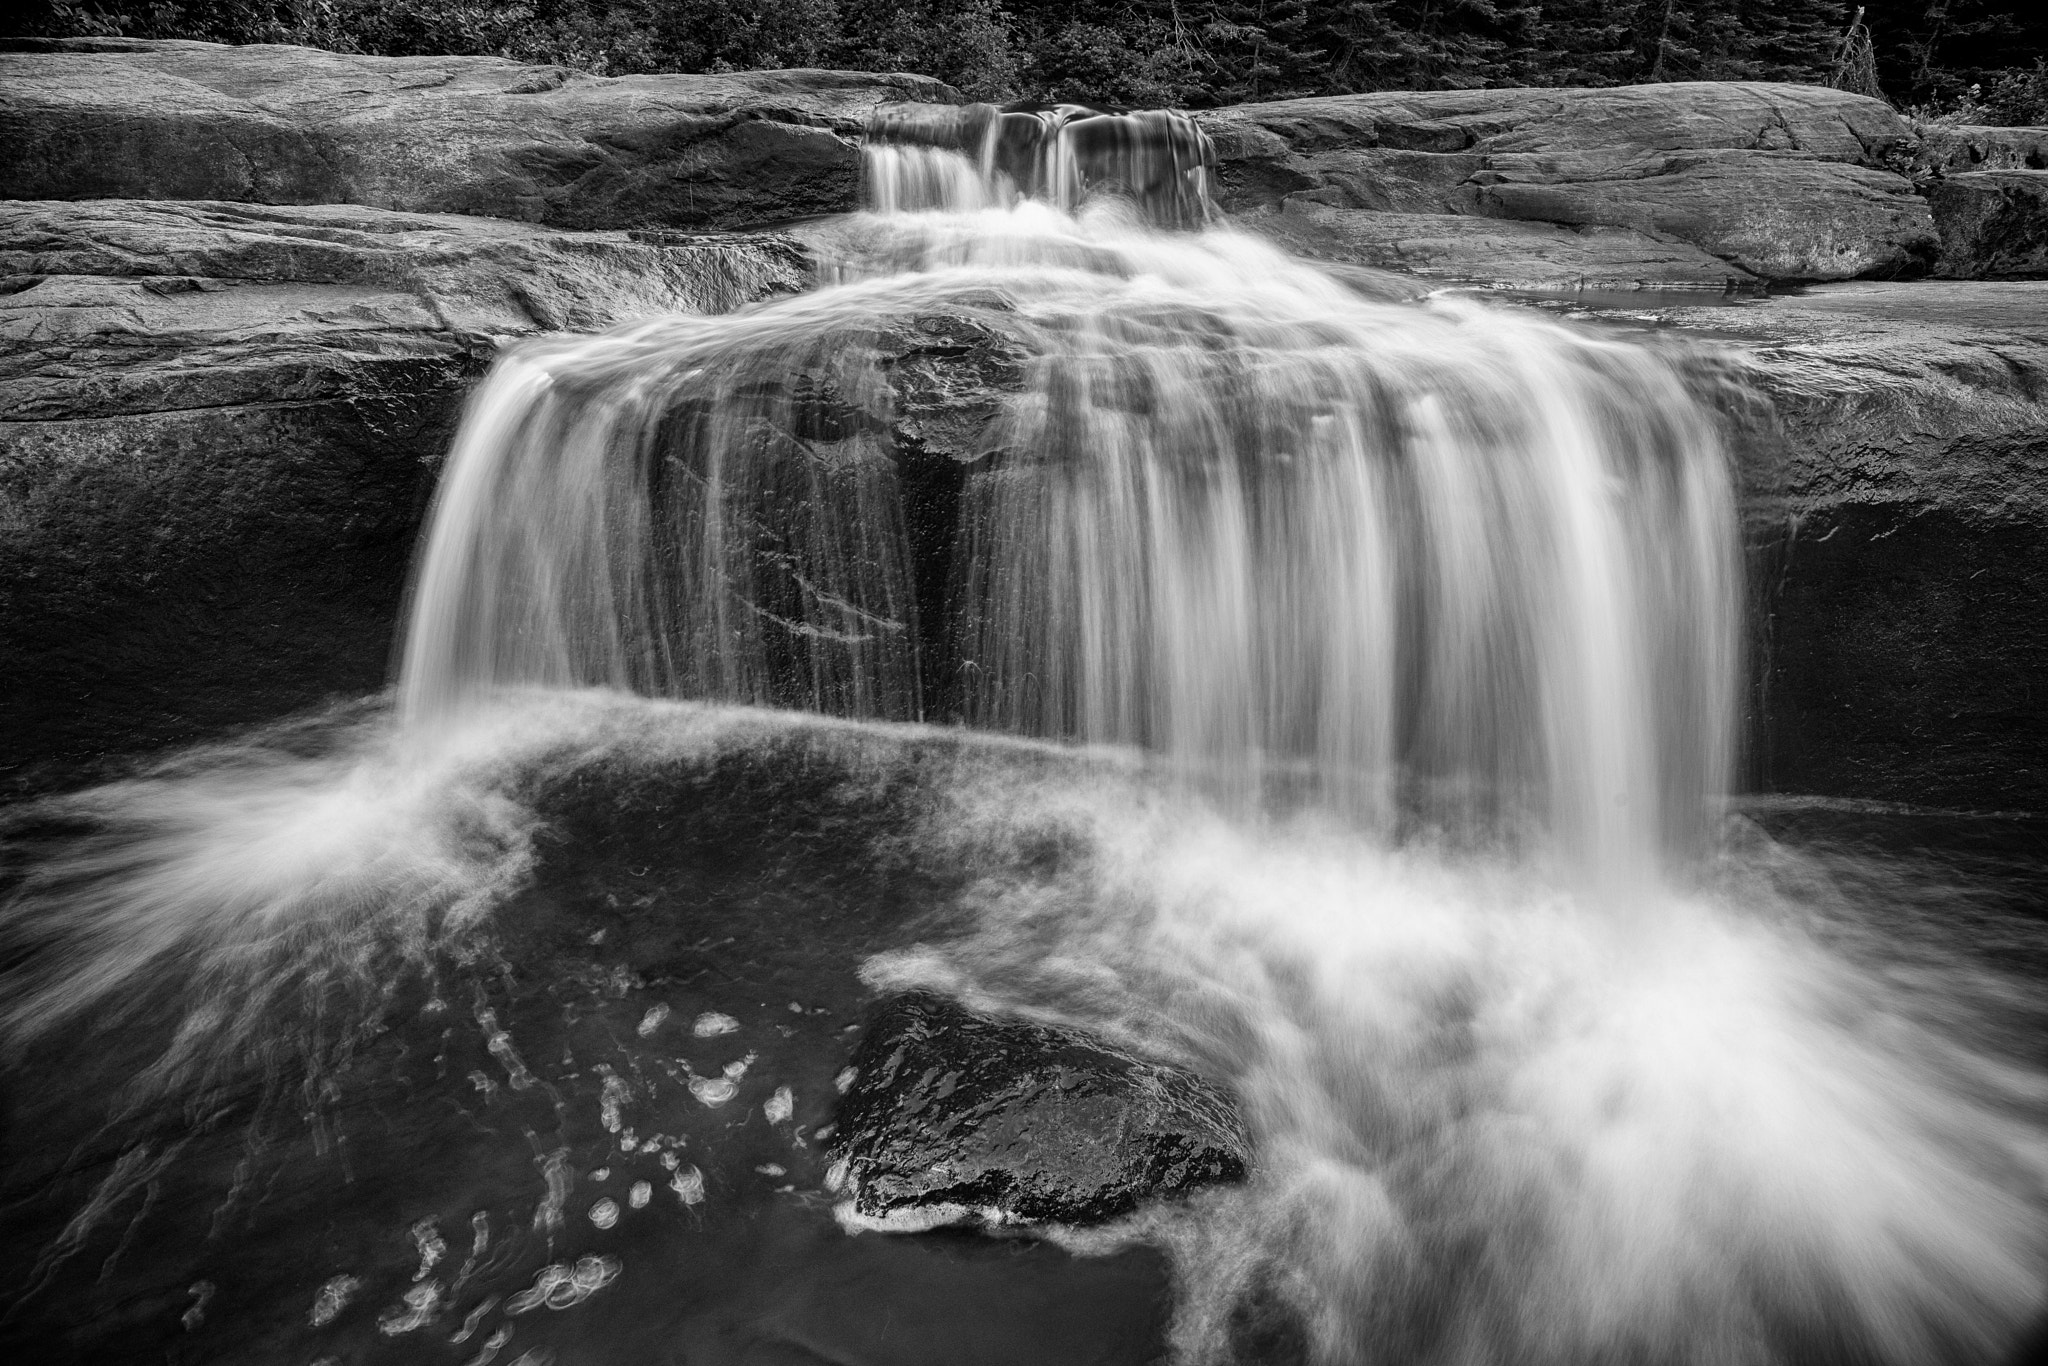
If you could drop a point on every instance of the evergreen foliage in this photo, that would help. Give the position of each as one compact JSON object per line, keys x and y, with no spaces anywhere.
{"x":1980,"y":58}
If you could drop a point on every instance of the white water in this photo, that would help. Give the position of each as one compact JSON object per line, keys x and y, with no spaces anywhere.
{"x":1440,"y":559}
{"x":1427,"y":614}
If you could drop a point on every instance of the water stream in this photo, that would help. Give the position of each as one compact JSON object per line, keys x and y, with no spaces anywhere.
{"x":1328,"y":689}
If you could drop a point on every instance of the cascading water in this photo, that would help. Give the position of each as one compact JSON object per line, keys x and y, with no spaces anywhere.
{"x":1231,"y":513}
{"x":1403,"y":638}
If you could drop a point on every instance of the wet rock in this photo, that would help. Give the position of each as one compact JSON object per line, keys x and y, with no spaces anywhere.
{"x":1784,"y":182}
{"x":1993,"y":224}
{"x":1897,"y":516}
{"x":954,"y":1116}
{"x":88,"y":119}
{"x":1458,"y":249}
{"x":1966,"y":147}
{"x":221,"y":424}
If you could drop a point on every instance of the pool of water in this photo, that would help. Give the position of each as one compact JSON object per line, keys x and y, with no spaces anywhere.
{"x":529,"y":1059}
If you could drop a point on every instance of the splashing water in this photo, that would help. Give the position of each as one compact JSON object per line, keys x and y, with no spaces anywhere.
{"x":1403,"y":636}
{"x":1497,"y":1123}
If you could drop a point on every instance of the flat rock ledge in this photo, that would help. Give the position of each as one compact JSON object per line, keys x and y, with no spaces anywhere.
{"x":958,"y":1118}
{"x":1773,"y":182}
{"x":130,"y":119}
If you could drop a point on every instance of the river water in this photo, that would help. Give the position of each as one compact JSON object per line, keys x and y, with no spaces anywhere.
{"x":1329,"y":690}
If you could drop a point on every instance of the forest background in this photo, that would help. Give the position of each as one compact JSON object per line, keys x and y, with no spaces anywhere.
{"x":1970,"y":61}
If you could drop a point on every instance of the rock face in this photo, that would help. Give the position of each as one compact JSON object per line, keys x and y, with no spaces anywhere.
{"x":1898,"y":526}
{"x":953,"y":1115}
{"x":1457,"y":249}
{"x":1966,"y":147}
{"x":222,"y":422}
{"x":90,"y":119}
{"x":1779,"y":182}
{"x":1993,"y":224}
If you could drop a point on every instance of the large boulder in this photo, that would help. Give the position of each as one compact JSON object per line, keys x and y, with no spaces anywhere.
{"x":1993,"y":223}
{"x":1897,"y":513}
{"x":221,"y":425}
{"x":88,"y":119}
{"x":1782,"y":182}
{"x":953,"y":1117}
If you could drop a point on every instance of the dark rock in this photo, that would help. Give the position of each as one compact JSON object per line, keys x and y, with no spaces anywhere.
{"x":1898,"y":524}
{"x":955,"y":1116}
{"x":1966,"y":147}
{"x":88,"y":119}
{"x":221,"y":425}
{"x":1784,"y":182}
{"x":1993,"y":224}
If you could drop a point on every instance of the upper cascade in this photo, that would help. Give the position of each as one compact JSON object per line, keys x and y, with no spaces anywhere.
{"x":964,"y":157}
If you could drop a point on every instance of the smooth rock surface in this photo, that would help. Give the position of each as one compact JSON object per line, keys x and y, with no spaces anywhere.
{"x":1454,"y":248}
{"x":86,"y":119}
{"x":1784,"y":182}
{"x":953,"y":1116}
{"x":1993,"y":224}
{"x":220,"y":425}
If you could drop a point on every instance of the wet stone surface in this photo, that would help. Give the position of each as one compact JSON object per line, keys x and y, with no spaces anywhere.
{"x":956,"y":1117}
{"x":585,"y":1134}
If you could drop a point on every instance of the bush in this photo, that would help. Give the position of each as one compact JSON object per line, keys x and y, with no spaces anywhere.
{"x":2018,"y":97}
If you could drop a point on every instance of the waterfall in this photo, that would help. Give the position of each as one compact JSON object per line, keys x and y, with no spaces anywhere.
{"x":1328,"y":688}
{"x":1434,"y":561}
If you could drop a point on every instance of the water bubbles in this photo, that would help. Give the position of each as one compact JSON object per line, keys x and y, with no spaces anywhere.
{"x":780,"y":1106}
{"x":641,"y":1193}
{"x":845,"y":1079}
{"x":488,"y":1350}
{"x":202,"y":1293}
{"x":605,"y":1213}
{"x":499,"y":1042}
{"x":651,"y":1021}
{"x":561,"y":1286}
{"x":713,"y":1091}
{"x":474,"y":1320}
{"x":422,"y":1305}
{"x":333,"y":1297}
{"x":555,"y":1170}
{"x":738,"y":1067}
{"x":427,"y":1241}
{"x":711,"y":1024}
{"x":611,"y":1100}
{"x":688,"y":1184}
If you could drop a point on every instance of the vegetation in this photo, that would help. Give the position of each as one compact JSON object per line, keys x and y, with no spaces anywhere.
{"x":1986,"y":60}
